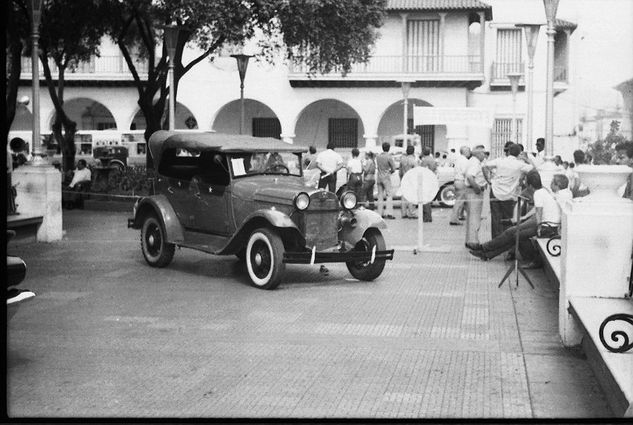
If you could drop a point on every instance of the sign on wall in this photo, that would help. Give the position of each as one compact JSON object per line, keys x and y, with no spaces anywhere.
{"x":425,"y":115}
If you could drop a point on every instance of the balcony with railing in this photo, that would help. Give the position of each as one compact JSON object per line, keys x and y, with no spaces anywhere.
{"x":500,"y":70}
{"x":112,"y":67}
{"x":431,"y":69}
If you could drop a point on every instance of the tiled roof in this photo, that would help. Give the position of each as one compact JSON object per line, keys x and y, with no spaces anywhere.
{"x":439,"y":5}
{"x":564,"y":25}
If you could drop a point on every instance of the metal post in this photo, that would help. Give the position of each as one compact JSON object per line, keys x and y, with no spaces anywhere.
{"x":242,"y":66}
{"x":514,"y":83}
{"x":406,"y":86}
{"x":172,"y":103}
{"x":36,"y":142}
{"x":531,"y":37}
{"x":550,"y":12}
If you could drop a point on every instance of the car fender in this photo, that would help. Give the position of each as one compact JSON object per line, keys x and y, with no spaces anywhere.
{"x":263,"y":218}
{"x":160,"y":205}
{"x":365,"y":219}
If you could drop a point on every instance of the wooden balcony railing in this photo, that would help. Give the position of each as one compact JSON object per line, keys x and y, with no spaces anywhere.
{"x":97,"y":67}
{"x":500,"y":70}
{"x":422,"y":64}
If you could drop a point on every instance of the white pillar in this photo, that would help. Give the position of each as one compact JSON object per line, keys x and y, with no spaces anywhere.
{"x":39,"y":194}
{"x":597,"y":241}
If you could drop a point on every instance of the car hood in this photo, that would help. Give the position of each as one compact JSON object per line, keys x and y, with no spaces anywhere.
{"x":276,"y":189}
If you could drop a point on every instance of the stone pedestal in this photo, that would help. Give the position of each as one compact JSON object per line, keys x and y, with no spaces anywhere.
{"x":597,"y":242}
{"x":39,"y":193}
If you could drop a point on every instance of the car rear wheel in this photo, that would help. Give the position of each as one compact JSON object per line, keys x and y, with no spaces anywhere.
{"x":447,"y":195}
{"x":264,"y":255}
{"x":156,"y":250}
{"x":365,"y":270}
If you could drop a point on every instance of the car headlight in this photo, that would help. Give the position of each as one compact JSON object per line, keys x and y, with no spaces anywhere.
{"x":348,"y":200}
{"x":302,"y":201}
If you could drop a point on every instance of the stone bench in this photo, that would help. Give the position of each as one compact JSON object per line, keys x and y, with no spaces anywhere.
{"x":25,"y":226}
{"x":550,"y":253}
{"x":614,"y":371}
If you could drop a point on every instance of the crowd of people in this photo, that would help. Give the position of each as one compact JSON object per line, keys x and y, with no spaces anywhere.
{"x":519,"y":199}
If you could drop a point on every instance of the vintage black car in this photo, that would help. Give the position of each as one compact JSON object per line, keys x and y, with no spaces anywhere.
{"x":246,"y":196}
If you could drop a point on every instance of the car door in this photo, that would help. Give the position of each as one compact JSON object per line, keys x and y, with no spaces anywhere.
{"x":211,"y":193}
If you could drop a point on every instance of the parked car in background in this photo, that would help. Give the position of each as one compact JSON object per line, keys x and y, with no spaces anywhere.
{"x":246,"y":196}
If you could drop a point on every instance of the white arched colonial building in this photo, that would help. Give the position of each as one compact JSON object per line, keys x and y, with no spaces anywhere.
{"x":454,"y":53}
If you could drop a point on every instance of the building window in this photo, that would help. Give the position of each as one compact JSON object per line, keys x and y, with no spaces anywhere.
{"x":509,"y":57}
{"x":423,"y":46}
{"x":502,"y":133}
{"x":267,"y":127}
{"x":343,"y":132}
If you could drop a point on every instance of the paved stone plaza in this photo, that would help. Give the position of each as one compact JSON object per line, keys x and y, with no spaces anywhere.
{"x":433,"y":337}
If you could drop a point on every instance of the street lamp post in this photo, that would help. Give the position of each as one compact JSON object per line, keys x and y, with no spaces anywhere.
{"x":551,"y":7}
{"x":242,"y":65}
{"x":531,"y":37}
{"x":171,"y":41}
{"x":514,"y":84}
{"x":406,"y":86}
{"x":36,"y":143}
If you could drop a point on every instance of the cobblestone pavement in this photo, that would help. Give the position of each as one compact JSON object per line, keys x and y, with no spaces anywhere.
{"x":433,"y":337}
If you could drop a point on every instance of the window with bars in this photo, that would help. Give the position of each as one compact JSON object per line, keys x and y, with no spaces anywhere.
{"x":426,"y":132}
{"x":502,"y":132}
{"x":343,"y":132}
{"x":267,"y":127}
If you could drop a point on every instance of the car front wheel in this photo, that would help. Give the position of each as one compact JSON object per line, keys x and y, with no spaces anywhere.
{"x":447,"y":195}
{"x":156,"y":250}
{"x":365,"y":270}
{"x":264,"y":255}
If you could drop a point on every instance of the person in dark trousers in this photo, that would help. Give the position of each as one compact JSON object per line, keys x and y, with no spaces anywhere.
{"x":329,"y":162}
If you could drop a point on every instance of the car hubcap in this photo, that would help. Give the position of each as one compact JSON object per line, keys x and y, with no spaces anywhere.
{"x":261,"y":259}
{"x":153,"y":240}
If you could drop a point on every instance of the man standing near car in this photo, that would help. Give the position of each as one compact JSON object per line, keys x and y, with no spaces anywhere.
{"x":408,"y":162}
{"x":426,"y":160}
{"x":461,"y":164}
{"x":329,"y":162}
{"x":475,"y":184}
{"x":505,"y":187}
{"x":385,"y":167}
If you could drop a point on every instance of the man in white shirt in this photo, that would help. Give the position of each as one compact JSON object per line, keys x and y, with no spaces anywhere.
{"x":461,"y":164}
{"x":329,"y":162}
{"x":543,"y":221}
{"x":560,"y":189}
{"x":539,"y":157}
{"x":474,"y":194}
{"x":355,"y":173}
{"x":505,"y":186}
{"x":81,"y":175}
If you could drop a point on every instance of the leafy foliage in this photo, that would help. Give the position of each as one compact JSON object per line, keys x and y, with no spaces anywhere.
{"x":603,"y":151}
{"x":324,"y":34}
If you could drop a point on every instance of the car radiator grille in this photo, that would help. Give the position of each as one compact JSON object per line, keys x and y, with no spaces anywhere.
{"x":321,"y":229}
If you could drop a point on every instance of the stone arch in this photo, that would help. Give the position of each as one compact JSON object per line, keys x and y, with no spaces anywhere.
{"x":89,"y":114}
{"x":185,"y":119}
{"x":391,"y":124}
{"x":259,"y":119}
{"x":313,"y":126}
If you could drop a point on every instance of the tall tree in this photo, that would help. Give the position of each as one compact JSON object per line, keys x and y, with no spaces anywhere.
{"x":16,"y":31}
{"x":323,"y":34}
{"x":71,"y":33}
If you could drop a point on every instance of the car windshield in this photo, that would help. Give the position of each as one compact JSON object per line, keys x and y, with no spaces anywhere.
{"x":283,"y":163}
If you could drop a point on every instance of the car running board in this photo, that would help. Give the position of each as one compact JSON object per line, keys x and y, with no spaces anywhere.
{"x":308,"y":257}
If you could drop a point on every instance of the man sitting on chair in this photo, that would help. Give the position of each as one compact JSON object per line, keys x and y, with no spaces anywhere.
{"x":81,"y":182}
{"x":543,"y":221}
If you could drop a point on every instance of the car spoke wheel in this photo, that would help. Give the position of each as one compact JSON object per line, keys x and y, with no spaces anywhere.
{"x":156,"y":250}
{"x":364,"y":270}
{"x":447,"y":195}
{"x":264,"y":255}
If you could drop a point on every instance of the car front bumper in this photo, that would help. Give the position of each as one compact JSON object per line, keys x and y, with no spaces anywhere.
{"x":308,"y":257}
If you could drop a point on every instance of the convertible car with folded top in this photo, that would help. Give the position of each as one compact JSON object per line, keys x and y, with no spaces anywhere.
{"x":246,"y":196}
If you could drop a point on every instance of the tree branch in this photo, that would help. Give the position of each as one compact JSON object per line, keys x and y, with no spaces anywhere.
{"x":210,"y":50}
